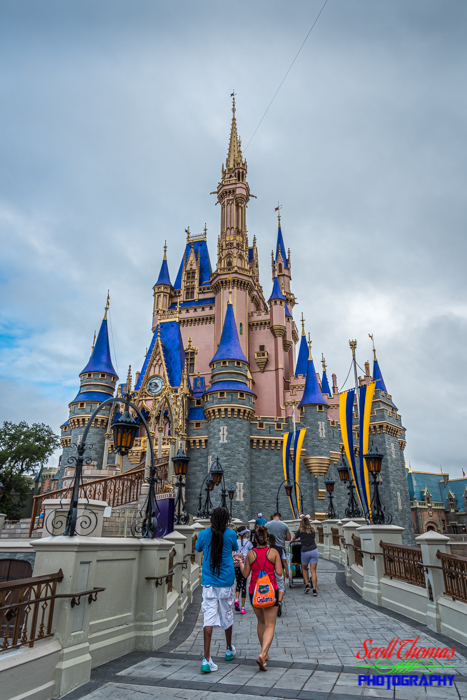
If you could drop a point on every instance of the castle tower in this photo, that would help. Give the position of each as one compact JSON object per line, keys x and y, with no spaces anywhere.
{"x":325,"y":388}
{"x":162,"y":290}
{"x":277,"y":311}
{"x":281,"y":265}
{"x":388,"y":435}
{"x":233,"y":270}
{"x":97,"y":384}
{"x":229,"y":408}
{"x":313,"y":409}
{"x":303,"y":354}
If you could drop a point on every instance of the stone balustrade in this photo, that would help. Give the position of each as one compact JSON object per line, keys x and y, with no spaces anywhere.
{"x":408,"y":580}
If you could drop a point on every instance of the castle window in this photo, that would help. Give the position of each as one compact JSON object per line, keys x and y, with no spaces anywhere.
{"x":278,"y":426}
{"x":102,"y":376}
{"x":191,"y":275}
{"x":262,"y":348}
{"x":320,"y":408}
{"x":89,"y":376}
{"x":65,"y":429}
{"x":224,"y":363}
{"x":221,"y":394}
{"x":206,"y":398}
{"x":198,"y":402}
{"x":190,"y":358}
{"x":190,"y":293}
{"x":238,"y":364}
{"x":261,"y":426}
{"x":241,"y":394}
{"x":241,"y":329}
{"x":280,"y":268}
{"x":82,"y":405}
{"x":229,"y":263}
{"x":197,"y":426}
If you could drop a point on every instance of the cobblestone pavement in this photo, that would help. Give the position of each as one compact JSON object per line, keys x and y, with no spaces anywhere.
{"x":312,"y":657}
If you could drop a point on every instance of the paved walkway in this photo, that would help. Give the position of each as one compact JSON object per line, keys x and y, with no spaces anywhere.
{"x":312,"y":657}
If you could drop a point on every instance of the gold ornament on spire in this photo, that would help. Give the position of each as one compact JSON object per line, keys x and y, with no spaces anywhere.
{"x":323,"y":362}
{"x":309,"y":347}
{"x":165,"y":250}
{"x":373,"y":341}
{"x":303,"y":324}
{"x":129,"y":381}
{"x":278,"y":209}
{"x":187,"y":231}
{"x":234,"y":153}
{"x":107,"y":305}
{"x":93,"y":342}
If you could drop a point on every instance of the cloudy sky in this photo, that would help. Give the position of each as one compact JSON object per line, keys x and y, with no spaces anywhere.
{"x":114,"y":122}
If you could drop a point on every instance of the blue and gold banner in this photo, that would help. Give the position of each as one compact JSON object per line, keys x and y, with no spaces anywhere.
{"x":286,"y":462}
{"x":299,"y":437}
{"x":366,"y":401}
{"x":346,"y":403}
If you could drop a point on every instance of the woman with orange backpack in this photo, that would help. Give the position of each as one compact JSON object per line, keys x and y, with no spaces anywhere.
{"x":263,"y":562}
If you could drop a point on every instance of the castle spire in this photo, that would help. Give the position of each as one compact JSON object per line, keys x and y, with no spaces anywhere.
{"x":312,"y":394}
{"x":326,"y":389}
{"x":164,"y":277}
{"x":234,"y":153}
{"x":107,"y":305}
{"x":100,"y":360}
{"x":302,"y":360}
{"x":229,"y":347}
{"x":303,"y":324}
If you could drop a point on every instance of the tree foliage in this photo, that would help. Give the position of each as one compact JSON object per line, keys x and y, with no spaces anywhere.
{"x":23,"y":448}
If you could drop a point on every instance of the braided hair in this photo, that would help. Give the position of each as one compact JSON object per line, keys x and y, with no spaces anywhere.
{"x":219,"y":520}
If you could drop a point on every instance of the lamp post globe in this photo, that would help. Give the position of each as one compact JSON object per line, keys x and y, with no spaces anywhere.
{"x":124,"y":430}
{"x":231,"y":493}
{"x":217,"y":472}
{"x":329,"y":483}
{"x":288,"y":489}
{"x":373,"y":460}
{"x":352,"y":510}
{"x":180,"y":462}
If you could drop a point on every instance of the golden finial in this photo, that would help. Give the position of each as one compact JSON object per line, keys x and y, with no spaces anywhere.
{"x":283,"y":288}
{"x":233,"y":101}
{"x":178,"y":307}
{"x":303,"y":324}
{"x":323,"y":362}
{"x":129,"y":380}
{"x":353,"y":346}
{"x":372,"y":340}
{"x":278,"y":209}
{"x":165,"y":250}
{"x":205,"y":231}
{"x":230,"y":296}
{"x":309,"y":347}
{"x":441,"y":468}
{"x":107,"y":305}
{"x":93,"y":342}
{"x":187,"y":231}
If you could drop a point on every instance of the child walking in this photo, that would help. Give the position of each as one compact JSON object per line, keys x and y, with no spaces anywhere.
{"x":244,"y":545}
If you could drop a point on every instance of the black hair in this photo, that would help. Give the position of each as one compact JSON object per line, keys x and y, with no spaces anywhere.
{"x":272,"y":539}
{"x":277,"y":515}
{"x":219,"y":520}
{"x":262,"y":536}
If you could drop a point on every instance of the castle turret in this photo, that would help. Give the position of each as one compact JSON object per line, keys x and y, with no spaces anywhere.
{"x":325,"y":388}
{"x":162,"y":289}
{"x":97,"y":384}
{"x":229,"y":408}
{"x":303,"y":353}
{"x":281,"y":264}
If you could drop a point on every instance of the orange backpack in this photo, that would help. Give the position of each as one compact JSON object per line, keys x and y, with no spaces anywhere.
{"x":264,"y":595}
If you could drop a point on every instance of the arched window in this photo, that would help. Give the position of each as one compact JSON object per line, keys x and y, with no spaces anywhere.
{"x":229,"y":263}
{"x":280,"y":268}
{"x":241,"y":329}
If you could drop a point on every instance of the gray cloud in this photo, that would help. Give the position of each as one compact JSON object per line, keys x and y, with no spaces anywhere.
{"x":115,"y":119}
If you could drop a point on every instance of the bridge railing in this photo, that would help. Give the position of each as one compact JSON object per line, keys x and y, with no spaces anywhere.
{"x":455,"y":575}
{"x":357,"y":548}
{"x":403,"y":562}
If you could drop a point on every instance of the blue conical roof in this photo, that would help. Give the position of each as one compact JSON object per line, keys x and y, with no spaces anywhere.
{"x":164,"y":277}
{"x":100,"y":360}
{"x":312,"y":394}
{"x":326,"y":389}
{"x":302,"y":362}
{"x":229,"y":347}
{"x":378,"y":377}
{"x":280,"y":242}
{"x":276,"y":291}
{"x":287,"y":312}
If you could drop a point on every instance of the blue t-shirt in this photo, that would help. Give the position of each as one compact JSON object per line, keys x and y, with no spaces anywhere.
{"x":226,"y":575}
{"x":260,"y":521}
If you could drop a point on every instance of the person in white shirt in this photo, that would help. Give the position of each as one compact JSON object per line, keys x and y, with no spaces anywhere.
{"x":244,"y":545}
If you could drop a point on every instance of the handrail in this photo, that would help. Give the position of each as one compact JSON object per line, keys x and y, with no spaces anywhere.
{"x":20,"y":583}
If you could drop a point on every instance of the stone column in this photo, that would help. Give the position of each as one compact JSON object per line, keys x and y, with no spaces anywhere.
{"x":190,"y":574}
{"x":348,"y":530}
{"x":327,"y":525}
{"x":373,"y":568}
{"x":430,"y":542}
{"x":89,"y":521}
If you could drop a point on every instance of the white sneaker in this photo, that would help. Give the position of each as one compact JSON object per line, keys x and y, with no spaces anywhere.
{"x":230,"y":653}
{"x":208,"y":666}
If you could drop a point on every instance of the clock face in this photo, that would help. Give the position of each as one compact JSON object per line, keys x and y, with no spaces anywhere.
{"x":155,"y":385}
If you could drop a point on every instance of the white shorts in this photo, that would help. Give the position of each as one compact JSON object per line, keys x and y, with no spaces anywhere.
{"x":217,"y":607}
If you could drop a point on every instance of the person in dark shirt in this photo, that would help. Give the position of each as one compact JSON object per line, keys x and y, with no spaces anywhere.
{"x":309,"y":554}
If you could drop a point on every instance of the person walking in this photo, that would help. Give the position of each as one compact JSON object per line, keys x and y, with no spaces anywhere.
{"x":309,"y":553}
{"x":260,"y":520}
{"x":244,"y":545}
{"x":218,"y":575}
{"x":263,"y":558}
{"x":279,"y":529}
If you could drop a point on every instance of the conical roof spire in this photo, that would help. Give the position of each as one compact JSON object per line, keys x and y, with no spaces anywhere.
{"x":234,"y":153}
{"x":281,"y":247}
{"x":100,"y":360}
{"x":276,"y":291}
{"x":312,"y":395}
{"x":229,"y":347}
{"x":164,"y":277}
{"x":326,"y":389}
{"x":302,"y":360}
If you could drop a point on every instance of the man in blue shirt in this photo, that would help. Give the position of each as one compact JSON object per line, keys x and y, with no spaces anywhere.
{"x":218,"y":576}
{"x":260,"y":520}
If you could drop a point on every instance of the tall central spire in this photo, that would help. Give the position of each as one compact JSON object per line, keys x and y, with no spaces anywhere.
{"x":234,"y":154}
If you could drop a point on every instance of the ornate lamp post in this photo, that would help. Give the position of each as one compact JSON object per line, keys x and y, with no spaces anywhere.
{"x":231,"y":493}
{"x":180,"y":462}
{"x":214,"y":477}
{"x":288,"y":485}
{"x":329,"y":483}
{"x":124,"y":429}
{"x":373,"y":461}
{"x":352,"y":510}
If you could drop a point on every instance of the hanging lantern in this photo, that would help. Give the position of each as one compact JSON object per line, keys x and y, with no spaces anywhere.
{"x":329,"y":483}
{"x":231,"y":493}
{"x":124,"y":430}
{"x":288,"y":488}
{"x":343,"y":469}
{"x":217,"y":472}
{"x":373,"y":460}
{"x":180,"y":462}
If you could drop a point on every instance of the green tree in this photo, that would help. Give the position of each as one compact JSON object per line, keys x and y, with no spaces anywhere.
{"x":23,"y":448}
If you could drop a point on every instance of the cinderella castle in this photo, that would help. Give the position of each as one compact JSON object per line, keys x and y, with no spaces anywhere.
{"x":228,"y":373}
